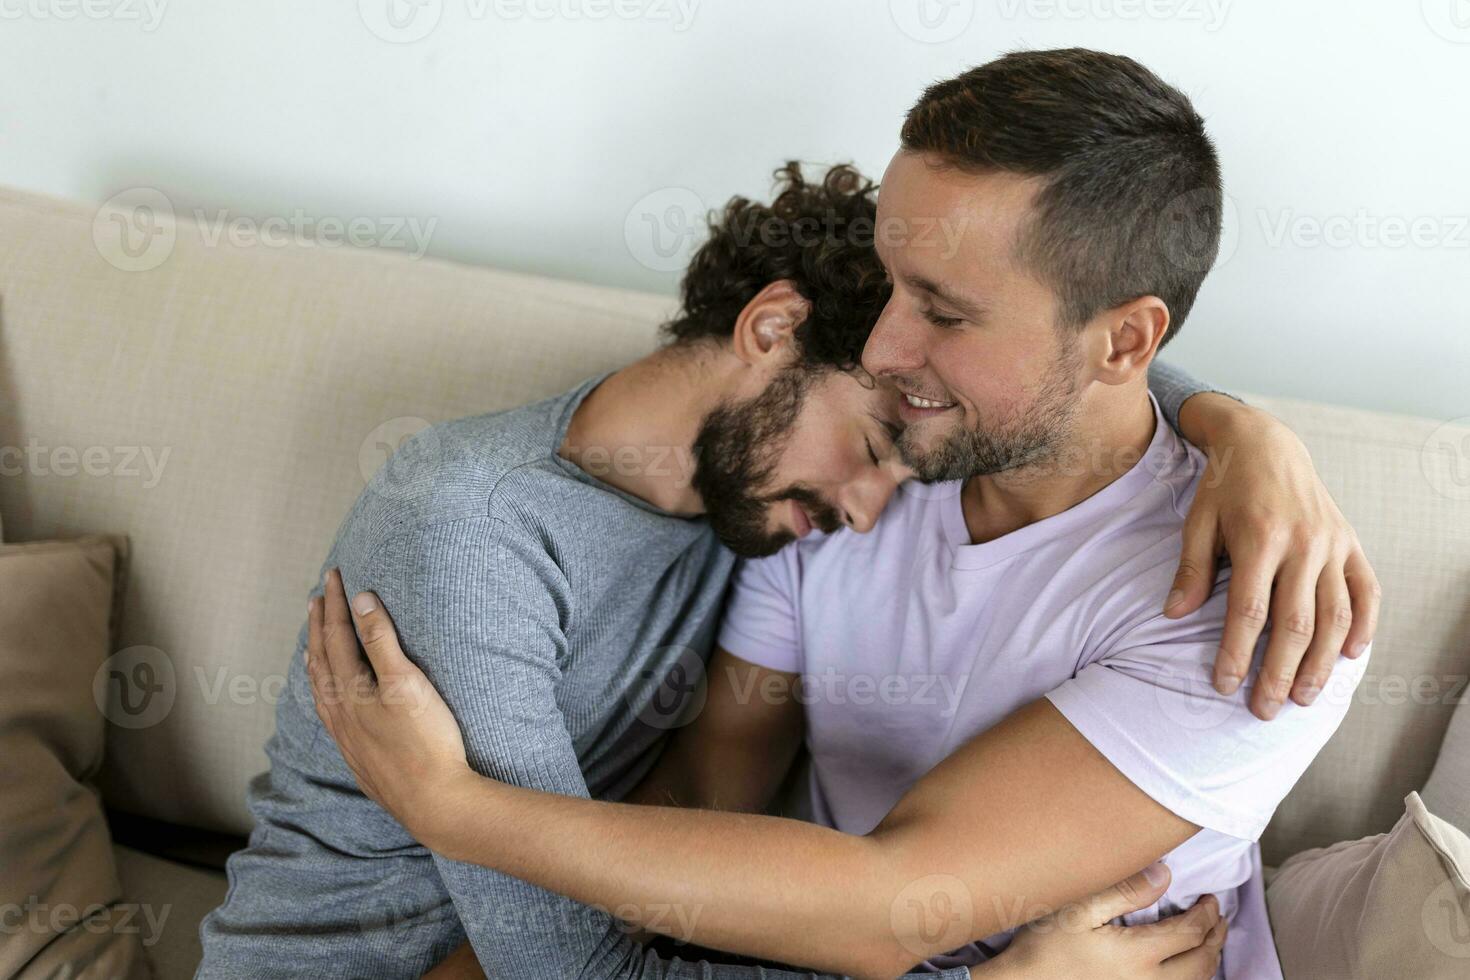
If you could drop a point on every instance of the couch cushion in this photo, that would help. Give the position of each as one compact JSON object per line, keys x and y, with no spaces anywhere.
{"x":56,"y":602}
{"x":172,"y":899}
{"x":231,"y":403}
{"x":1403,"y":484}
{"x":1448,"y":791}
{"x":1391,"y":905}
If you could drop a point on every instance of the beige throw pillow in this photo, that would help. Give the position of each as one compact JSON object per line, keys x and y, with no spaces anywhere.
{"x":60,"y":899}
{"x":1392,"y":905}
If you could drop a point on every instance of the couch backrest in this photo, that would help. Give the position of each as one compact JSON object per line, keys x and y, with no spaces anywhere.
{"x":225,"y":404}
{"x":234,"y":401}
{"x":1404,"y":483}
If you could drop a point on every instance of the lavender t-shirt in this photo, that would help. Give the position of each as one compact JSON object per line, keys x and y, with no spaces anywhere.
{"x":911,"y":640}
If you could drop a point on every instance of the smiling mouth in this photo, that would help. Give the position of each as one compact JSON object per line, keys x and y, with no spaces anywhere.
{"x":925,"y":405}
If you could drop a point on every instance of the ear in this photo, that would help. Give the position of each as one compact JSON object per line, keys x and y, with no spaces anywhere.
{"x":1134,"y":332}
{"x":764,"y":329}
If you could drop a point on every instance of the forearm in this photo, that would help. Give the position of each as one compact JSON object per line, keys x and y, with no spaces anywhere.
{"x":1210,"y":419}
{"x":777,"y":889}
{"x":1175,"y":388}
{"x":958,"y":844}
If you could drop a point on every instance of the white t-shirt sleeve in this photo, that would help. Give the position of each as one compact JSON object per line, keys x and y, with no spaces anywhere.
{"x":761,"y":624}
{"x":1149,"y":705}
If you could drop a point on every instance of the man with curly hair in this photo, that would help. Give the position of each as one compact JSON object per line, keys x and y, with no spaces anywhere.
{"x":558,"y":571}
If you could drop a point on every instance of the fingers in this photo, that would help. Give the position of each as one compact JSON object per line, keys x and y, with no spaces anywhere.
{"x":1135,"y":892}
{"x":379,"y":636}
{"x":1293,"y":623}
{"x":1202,"y":962}
{"x":343,"y":657}
{"x":1365,"y":593}
{"x":1334,"y":617}
{"x":1247,"y":604}
{"x":1196,"y":575}
{"x":316,"y":662}
{"x":1181,"y":932}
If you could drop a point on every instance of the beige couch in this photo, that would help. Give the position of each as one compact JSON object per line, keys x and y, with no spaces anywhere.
{"x":225,"y":405}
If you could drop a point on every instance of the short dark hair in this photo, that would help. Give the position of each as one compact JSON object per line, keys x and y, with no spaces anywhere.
{"x":1131,"y":202}
{"x":817,"y":235}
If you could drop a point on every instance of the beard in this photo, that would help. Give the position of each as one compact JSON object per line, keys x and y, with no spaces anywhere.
{"x":1023,"y":437}
{"x":736,"y":452}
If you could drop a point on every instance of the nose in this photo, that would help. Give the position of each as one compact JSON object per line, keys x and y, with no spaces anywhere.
{"x":864,"y":498}
{"x":895,"y":345}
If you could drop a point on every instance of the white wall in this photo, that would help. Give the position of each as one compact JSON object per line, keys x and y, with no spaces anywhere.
{"x":543,"y":134}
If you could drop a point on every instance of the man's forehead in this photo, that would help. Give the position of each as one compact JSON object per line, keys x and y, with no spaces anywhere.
{"x":921,"y":200}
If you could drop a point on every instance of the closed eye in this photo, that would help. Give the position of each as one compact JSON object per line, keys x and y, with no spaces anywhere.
{"x":939,"y":320}
{"x":871,"y":455}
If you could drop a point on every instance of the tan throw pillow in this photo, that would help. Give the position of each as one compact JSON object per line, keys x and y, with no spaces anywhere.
{"x":60,"y":900}
{"x":1447,"y":791}
{"x":1392,"y":905}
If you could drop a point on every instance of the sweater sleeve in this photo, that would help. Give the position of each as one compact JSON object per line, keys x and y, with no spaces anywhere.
{"x":481,"y":608}
{"x":1173,"y":386}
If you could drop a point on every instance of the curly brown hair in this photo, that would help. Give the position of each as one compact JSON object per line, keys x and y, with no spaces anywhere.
{"x":817,"y":235}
